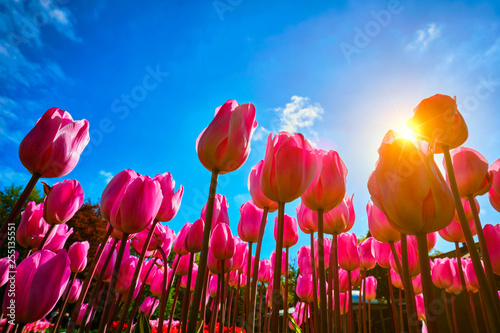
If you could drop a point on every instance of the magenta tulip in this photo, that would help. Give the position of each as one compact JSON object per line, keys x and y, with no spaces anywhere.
{"x":255,"y":189}
{"x":220,"y":214}
{"x":212,"y":286}
{"x":382,"y":254}
{"x":470,"y":276}
{"x":494,"y":192}
{"x":125,"y":274}
{"x":307,"y":219}
{"x":222,"y":243}
{"x":72,"y":291}
{"x":215,"y":266}
{"x":290,"y":231}
{"x":194,"y":236}
{"x":183,"y":265}
{"x":32,"y":227}
{"x":265,"y":271}
{"x":240,"y":254}
{"x":348,"y":251}
{"x":180,"y":240}
{"x":53,"y":147}
{"x":304,"y":288}
{"x":62,"y":202}
{"x":419,"y":302}
{"x":114,"y":191}
{"x":443,"y":273}
{"x":371,"y":288}
{"x":304,"y":260}
{"x":77,"y":253}
{"x":171,"y":199}
{"x":454,"y":233}
{"x":145,"y":269}
{"x":61,"y":235}
{"x":379,"y":227}
{"x":366,"y":254}
{"x":108,"y":270}
{"x":81,"y":314}
{"x":284,"y":269}
{"x":250,"y":221}
{"x":492,"y":238}
{"x":396,"y":280}
{"x":149,"y":306}
{"x":167,"y":239}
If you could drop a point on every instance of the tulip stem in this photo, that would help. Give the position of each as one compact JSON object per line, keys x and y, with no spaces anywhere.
{"x":222,"y":300}
{"x":187,"y":294}
{"x":235,"y":314}
{"x":46,"y":237}
{"x":321,"y":272}
{"x":202,"y":264}
{"x":408,"y":287}
{"x":401,"y":315}
{"x":172,"y":312}
{"x":464,"y":286}
{"x":229,"y":308}
{"x":276,"y":296}
{"x":14,"y":213}
{"x":351,"y":318}
{"x":314,"y":308}
{"x":447,"y":311}
{"x":260,"y":306}
{"x":164,"y":295}
{"x":112,"y":284}
{"x":63,"y":309}
{"x":485,"y":319}
{"x":336,"y":282}
{"x":246,"y":298}
{"x":88,"y":278}
{"x":364,"y":299}
{"x":425,"y":274}
{"x":369,"y":318}
{"x":130,"y":293}
{"x":285,"y":301}
{"x":454,"y":312}
{"x":484,"y":288}
{"x":393,"y":305}
{"x":484,"y":249}
{"x":256,"y":271}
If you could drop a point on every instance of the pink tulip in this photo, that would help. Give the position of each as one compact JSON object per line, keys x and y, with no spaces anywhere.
{"x":212,"y":286}
{"x":81,"y":314}
{"x":494,"y":192}
{"x":194,"y":274}
{"x":62,"y":202}
{"x":108,"y":270}
{"x":40,"y":281}
{"x":290,"y":231}
{"x":180,"y":240}
{"x":114,"y":191}
{"x":467,"y":209}
{"x":492,"y":238}
{"x":327,"y":189}
{"x":74,"y":290}
{"x":284,"y":269}
{"x":157,"y":283}
{"x":343,"y":280}
{"x":456,"y":287}
{"x":5,"y":269}
{"x":413,"y":263}
{"x":366,"y":254}
{"x":281,"y":180}
{"x":183,"y":265}
{"x":58,"y":240}
{"x":233,"y":279}
{"x":225,"y":144}
{"x":244,"y":268}
{"x":304,"y":288}
{"x":53,"y":147}
{"x":265,"y":271}
{"x":194,"y":236}
{"x":443,"y":273}
{"x":145,"y":269}
{"x":222,"y":242}
{"x":255,"y":189}
{"x":356,"y":277}
{"x":125,"y":274}
{"x":220,"y":214}
{"x":419,"y":303}
{"x":416,"y":283}
{"x":167,"y":238}
{"x":149,"y":306}
{"x":327,"y":246}
{"x":240,"y":254}
{"x":371,"y":288}
{"x":304,"y":260}
{"x":383,"y":253}
{"x":454,"y":233}
{"x":215,"y":266}
{"x":138,"y":206}
{"x":32,"y":227}
{"x":379,"y":227}
{"x":344,"y":303}
{"x":298,"y":314}
{"x":307,"y":219}
{"x":470,"y":276}
{"x":77,"y":253}
{"x":171,"y":199}
{"x":471,"y":172}
{"x":250,"y":222}
{"x":339,"y":219}
{"x":156,"y":240}
{"x":396,"y":280}
{"x":348,"y":251}
{"x":431,"y":240}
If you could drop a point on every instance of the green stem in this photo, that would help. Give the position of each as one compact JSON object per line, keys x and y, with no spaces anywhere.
{"x":164,"y":295}
{"x":393,"y":304}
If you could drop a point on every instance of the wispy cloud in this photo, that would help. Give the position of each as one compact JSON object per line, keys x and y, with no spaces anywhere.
{"x":423,"y":37}
{"x":261,"y":133}
{"x":107,"y":175}
{"x":240,"y":199}
{"x":9,"y":176}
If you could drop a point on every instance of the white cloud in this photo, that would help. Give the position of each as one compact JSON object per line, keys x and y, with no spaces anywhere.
{"x":423,"y":37}
{"x":107,"y":175}
{"x":261,"y":133}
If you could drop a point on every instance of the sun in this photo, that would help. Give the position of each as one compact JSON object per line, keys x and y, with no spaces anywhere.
{"x":407,"y":134}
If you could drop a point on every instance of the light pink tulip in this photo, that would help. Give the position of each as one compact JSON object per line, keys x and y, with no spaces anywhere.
{"x":492,"y":238}
{"x":379,"y":227}
{"x":240,"y":254}
{"x":307,"y":219}
{"x":171,"y":199}
{"x":74,"y":290}
{"x":255,"y":189}
{"x":383,"y":253}
{"x":304,"y":260}
{"x":413,"y":263}
{"x":290,"y":231}
{"x":366,"y":254}
{"x":443,"y":273}
{"x":348,"y":251}
{"x":63,"y":201}
{"x":220,"y":214}
{"x":250,"y":222}
{"x":494,"y":192}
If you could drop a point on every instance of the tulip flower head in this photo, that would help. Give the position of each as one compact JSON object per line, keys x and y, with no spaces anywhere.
{"x":77,"y":253}
{"x":494,"y":192}
{"x":258,"y":197}
{"x":222,"y":243}
{"x":250,"y":222}
{"x":62,"y":202}
{"x":290,"y":231}
{"x":32,"y":227}
{"x":307,"y":219}
{"x":379,"y":227}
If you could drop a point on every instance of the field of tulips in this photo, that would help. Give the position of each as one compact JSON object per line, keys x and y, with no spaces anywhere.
{"x":146,"y":277}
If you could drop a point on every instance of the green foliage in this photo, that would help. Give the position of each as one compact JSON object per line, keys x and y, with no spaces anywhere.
{"x":142,"y":325}
{"x":295,"y":326}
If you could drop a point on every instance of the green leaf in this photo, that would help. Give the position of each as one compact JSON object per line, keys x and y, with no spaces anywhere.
{"x":199,"y":327}
{"x":142,"y":325}
{"x":295,"y":326}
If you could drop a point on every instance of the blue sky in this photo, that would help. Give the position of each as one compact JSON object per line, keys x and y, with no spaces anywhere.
{"x":148,"y":78}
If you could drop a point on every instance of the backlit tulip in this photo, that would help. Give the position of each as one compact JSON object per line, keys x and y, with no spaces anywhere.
{"x":284,"y":269}
{"x":454,"y":233}
{"x":366,"y":254}
{"x":470,"y":276}
{"x":344,"y":303}
{"x":265,"y":271}
{"x":32,"y":227}
{"x":382,"y":254}
{"x":304,"y":288}
{"x":108,"y":270}
{"x":40,"y":281}
{"x":282,"y":181}
{"x":180,"y":240}
{"x":63,"y":201}
{"x":184,"y":278}
{"x":74,"y":290}
{"x":431,"y":240}
{"x":437,"y":120}
{"x":220,"y":214}
{"x":413,"y":263}
{"x":81,"y":314}
{"x":125,"y":274}
{"x":138,"y":206}
{"x":443,"y":273}
{"x":77,"y":254}
{"x":222,"y":242}
{"x":171,"y":199}
{"x":348,"y":251}
{"x":304,"y":260}
{"x":327,"y":190}
{"x":494,"y":192}
{"x":471,"y":172}
{"x":225,"y":144}
{"x":194,"y":236}
{"x":327,"y":246}
{"x":183,"y":265}
{"x":61,"y":235}
{"x":338,"y":219}
{"x":379,"y":227}
{"x":290,"y":231}
{"x":396,"y":280}
{"x":114,"y":191}
{"x":53,"y":147}
{"x":371,"y":288}
{"x":467,"y":209}
{"x":492,"y":238}
{"x":409,"y":189}
{"x":416,"y":283}
{"x":149,"y":306}
{"x":250,"y":221}
{"x":255,"y":189}
{"x":240,"y":254}
{"x":344,"y":280}
{"x":215,"y":266}
{"x":307,"y":219}
{"x":419,"y":303}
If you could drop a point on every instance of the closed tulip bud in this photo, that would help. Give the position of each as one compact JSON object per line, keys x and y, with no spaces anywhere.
{"x":281,"y":180}
{"x":180,"y":240}
{"x":494,"y":192}
{"x":442,"y":273}
{"x":255,"y":189}
{"x":53,"y":147}
{"x":194,"y":236}
{"x":343,"y":280}
{"x":340,"y":219}
{"x":471,"y":172}
{"x":356,"y":277}
{"x":431,"y":240}
{"x":470,"y":276}
{"x":456,"y":287}
{"x":81,"y":314}
{"x":74,"y":290}
{"x":454,"y":233}
{"x":371,"y":288}
{"x":416,"y":198}
{"x":240,"y":254}
{"x":420,"y":306}
{"x":265,"y":271}
{"x":157,"y":283}
{"x":77,"y":253}
{"x":382,"y":254}
{"x":58,"y":240}
{"x":171,"y":199}
{"x":168,"y":237}
{"x":144,"y":271}
{"x":194,"y":274}
{"x":225,"y":144}
{"x":492,"y":238}
{"x":222,"y":242}
{"x":290,"y":231}
{"x":284,"y":269}
{"x":125,"y":274}
{"x":183,"y":265}
{"x":114,"y":191}
{"x":396,"y":280}
{"x":366,"y":254}
{"x":348,"y":251}
{"x":108,"y":270}
{"x":138,"y":206}
{"x":250,"y":222}
{"x":149,"y":306}
{"x":32,"y":227}
{"x":304,"y":288}
{"x":437,"y":120}
{"x":327,"y":190}
{"x":379,"y":227}
{"x":40,"y":281}
{"x":413,"y":263}
{"x":307,"y":219}
{"x":304,"y":260}
{"x":156,"y":240}
{"x":62,"y":202}
{"x":416,"y":283}
{"x":212,"y":286}
{"x":220,"y":214}
{"x":215,"y":266}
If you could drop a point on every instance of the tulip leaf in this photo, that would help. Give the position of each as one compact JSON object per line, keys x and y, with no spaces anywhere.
{"x":295,"y":326}
{"x":142,"y":325}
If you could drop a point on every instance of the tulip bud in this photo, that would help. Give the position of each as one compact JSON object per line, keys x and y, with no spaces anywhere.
{"x":194,"y":236}
{"x":32,"y":227}
{"x":222,"y":242}
{"x":171,"y":199}
{"x":290,"y":231}
{"x":250,"y":222}
{"x":77,"y":253}
{"x":62,"y":202}
{"x":114,"y":191}
{"x":255,"y":189}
